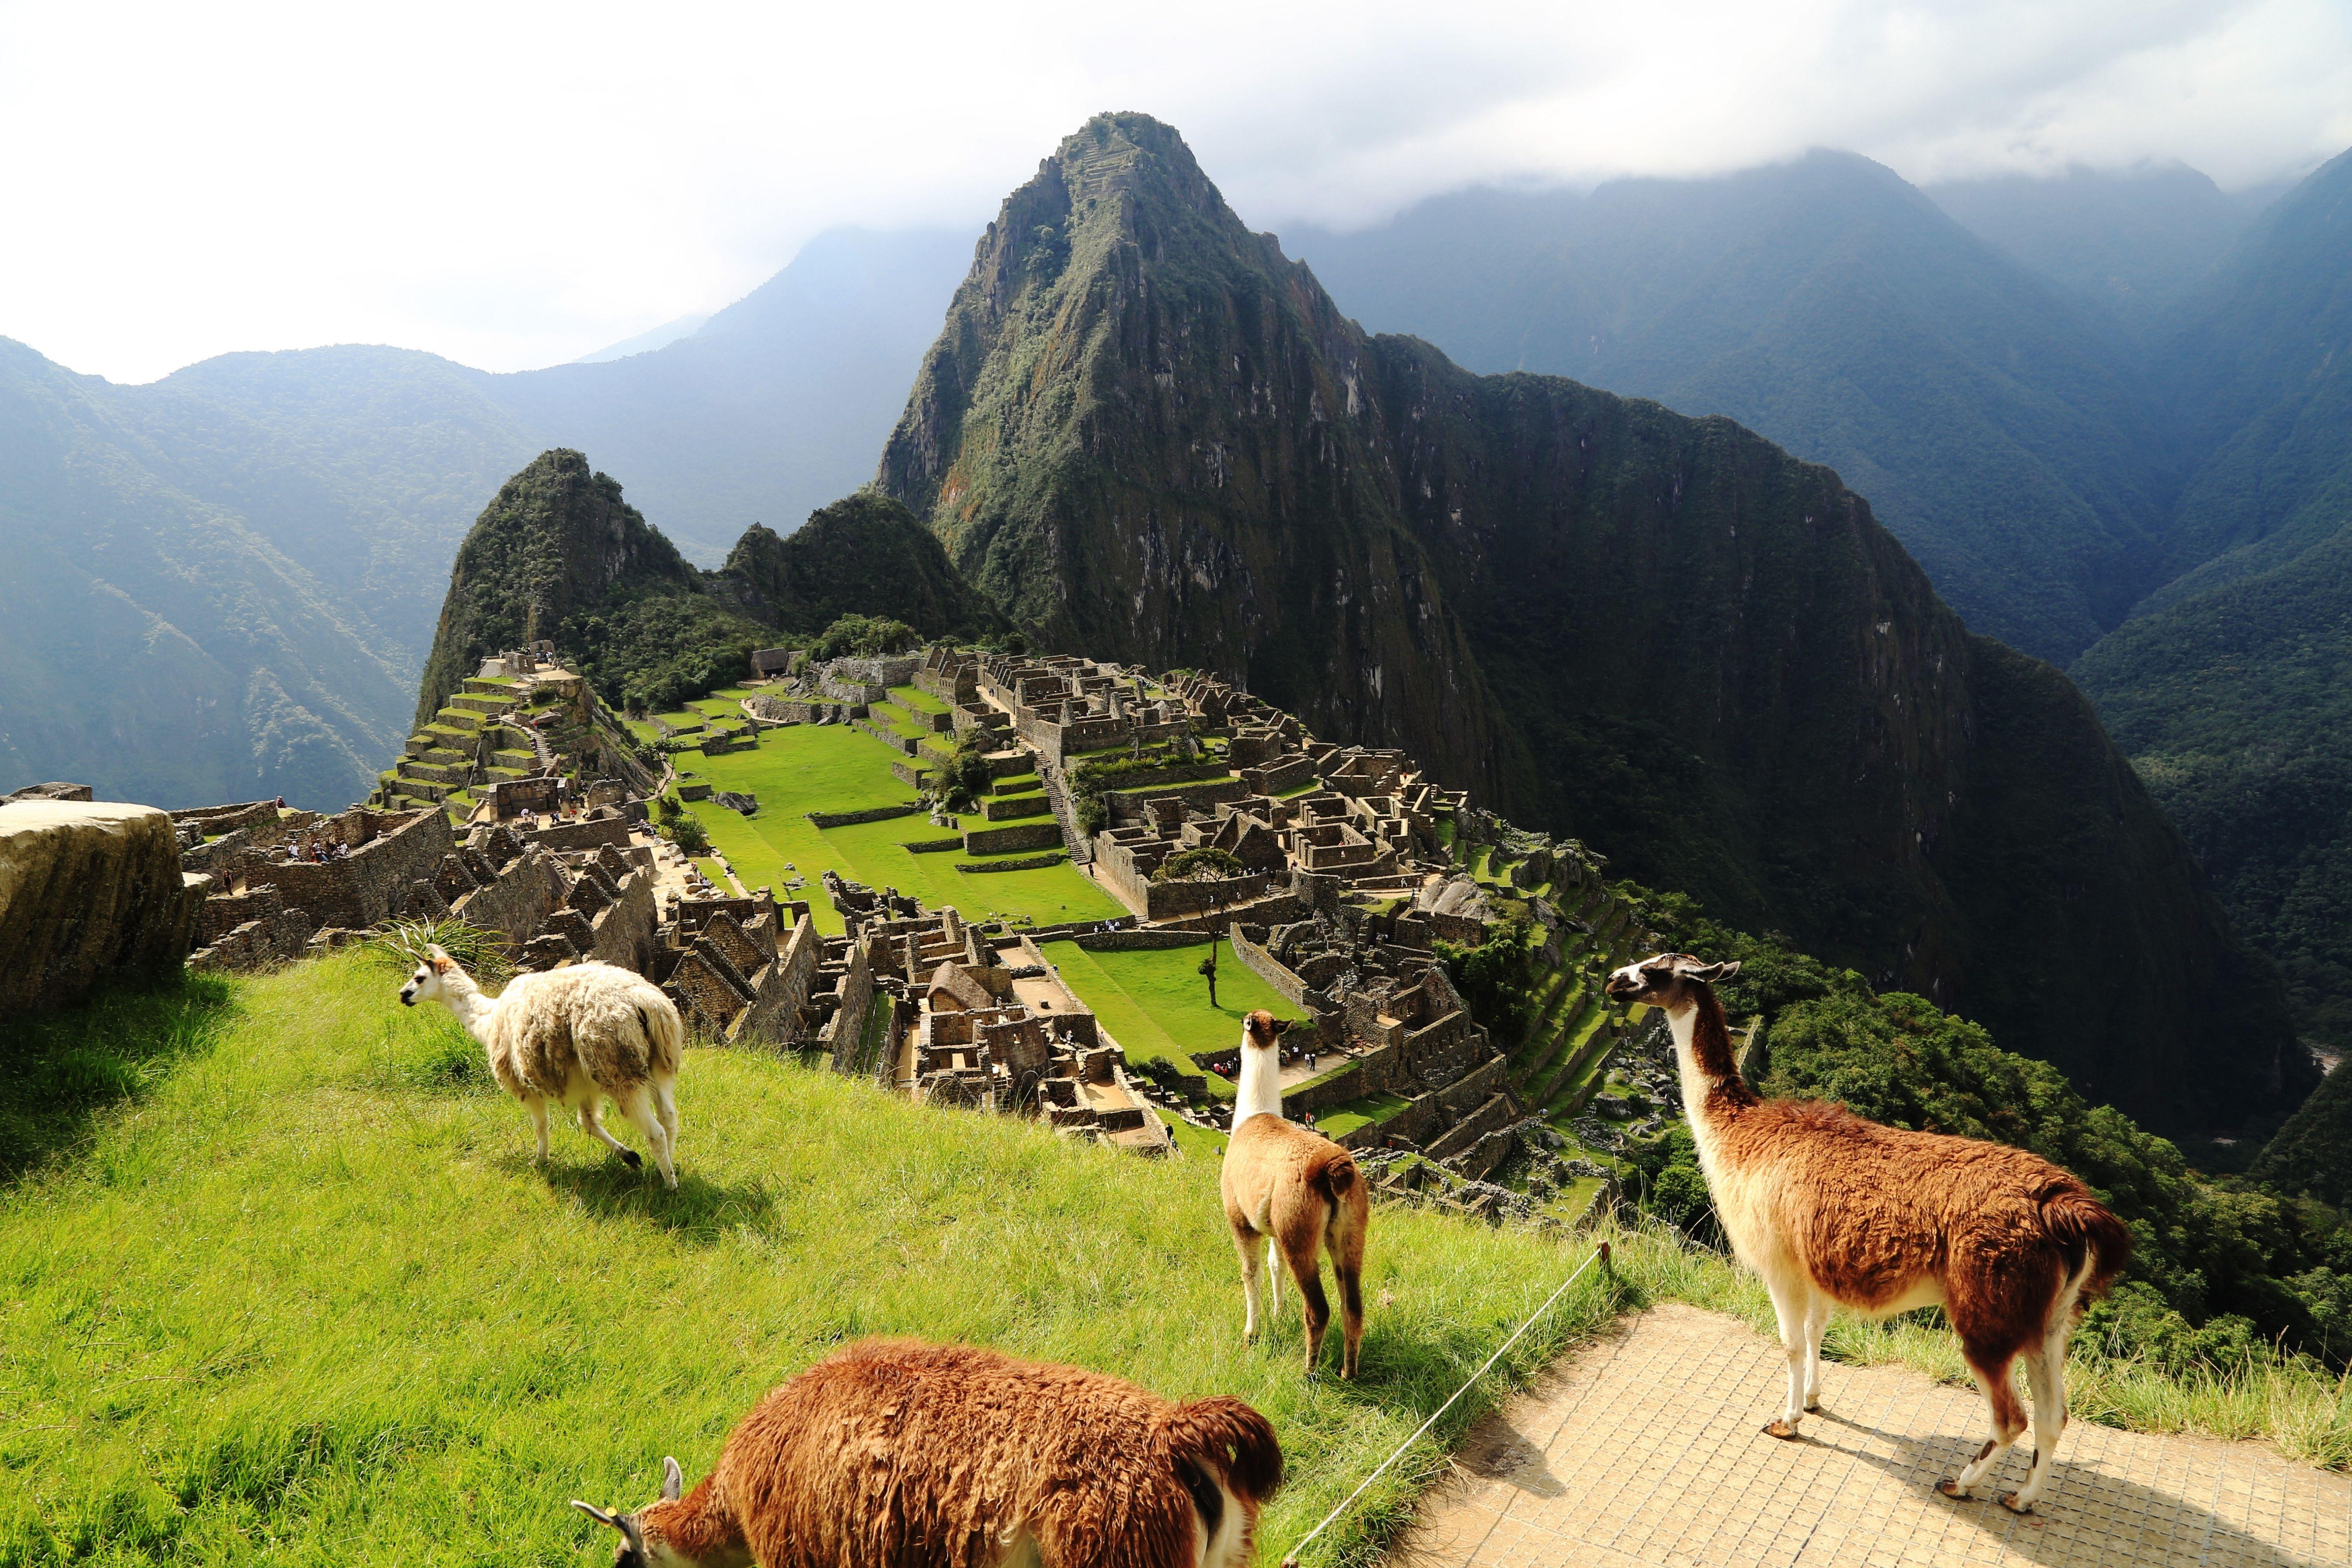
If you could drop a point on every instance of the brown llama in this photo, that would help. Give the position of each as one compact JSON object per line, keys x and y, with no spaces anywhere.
{"x":897,"y":1454}
{"x":1294,"y":1190}
{"x":1831,"y":1209}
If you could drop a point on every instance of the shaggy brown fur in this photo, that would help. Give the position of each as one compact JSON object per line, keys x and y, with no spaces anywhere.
{"x":897,"y":1454}
{"x":1299,"y":1189}
{"x":1831,"y":1208}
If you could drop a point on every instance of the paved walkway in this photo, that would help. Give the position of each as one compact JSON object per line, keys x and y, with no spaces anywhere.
{"x":1646,"y":1451}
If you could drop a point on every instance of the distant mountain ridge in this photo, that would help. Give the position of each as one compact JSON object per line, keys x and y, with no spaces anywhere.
{"x":226,"y":581}
{"x":1833,"y":308}
{"x":1147,"y":434}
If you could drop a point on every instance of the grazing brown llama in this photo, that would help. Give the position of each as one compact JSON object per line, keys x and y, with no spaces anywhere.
{"x":897,"y":1454}
{"x":1831,"y":1209}
{"x":1290,"y":1189}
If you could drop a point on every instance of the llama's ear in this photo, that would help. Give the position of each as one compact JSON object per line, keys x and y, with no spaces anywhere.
{"x":673,"y":1480}
{"x":441,"y":961}
{"x":1282,"y":1026}
{"x":1706,"y":973}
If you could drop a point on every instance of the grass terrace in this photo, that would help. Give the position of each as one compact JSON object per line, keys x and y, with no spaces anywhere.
{"x":832,"y":768}
{"x":1157,"y":1004}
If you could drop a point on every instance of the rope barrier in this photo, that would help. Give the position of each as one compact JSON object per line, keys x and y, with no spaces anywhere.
{"x":1600,"y":1254}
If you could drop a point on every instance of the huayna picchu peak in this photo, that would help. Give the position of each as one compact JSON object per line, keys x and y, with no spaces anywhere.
{"x":1146,"y":435}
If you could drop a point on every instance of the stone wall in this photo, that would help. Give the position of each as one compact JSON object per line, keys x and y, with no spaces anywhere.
{"x":1268,"y":968}
{"x":852,"y":818}
{"x":848,"y":1027}
{"x":1131,"y":940}
{"x":375,"y":884}
{"x":85,"y":890}
{"x":527,"y":891}
{"x":1005,"y":840}
{"x":589,"y":833}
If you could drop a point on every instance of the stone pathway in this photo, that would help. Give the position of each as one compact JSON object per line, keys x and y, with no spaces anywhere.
{"x":1645,"y":1450}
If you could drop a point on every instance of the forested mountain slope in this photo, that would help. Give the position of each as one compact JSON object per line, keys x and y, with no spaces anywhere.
{"x":1833,"y":308}
{"x":561,"y":554}
{"x":2233,"y":690}
{"x":2130,"y":243}
{"x":1149,"y":435}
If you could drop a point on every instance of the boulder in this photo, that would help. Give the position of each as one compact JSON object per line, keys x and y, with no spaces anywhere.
{"x":86,"y":889}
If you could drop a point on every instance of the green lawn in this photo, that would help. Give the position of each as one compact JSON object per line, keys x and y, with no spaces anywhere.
{"x":1354,"y":1113}
{"x":803,"y":768}
{"x":915,"y":699}
{"x":1157,"y":1004}
{"x":283,"y":1284}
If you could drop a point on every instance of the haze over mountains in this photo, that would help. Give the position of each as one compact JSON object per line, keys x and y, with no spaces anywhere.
{"x":224,"y":583}
{"x":2069,"y":411}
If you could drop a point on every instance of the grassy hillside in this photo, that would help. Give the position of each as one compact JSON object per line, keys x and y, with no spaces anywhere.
{"x":302,"y":1297}
{"x":280,"y":1283}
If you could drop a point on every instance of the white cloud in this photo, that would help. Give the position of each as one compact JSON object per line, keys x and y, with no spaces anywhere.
{"x":514,"y":186}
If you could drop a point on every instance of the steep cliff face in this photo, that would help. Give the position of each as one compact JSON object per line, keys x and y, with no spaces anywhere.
{"x":556,"y":538}
{"x":1137,"y":433}
{"x":865,"y":555}
{"x":1148,"y":434}
{"x":559,"y":553}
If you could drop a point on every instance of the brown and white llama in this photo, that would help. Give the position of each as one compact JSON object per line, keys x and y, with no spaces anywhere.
{"x":1831,"y":1209}
{"x":897,"y":1454}
{"x":573,"y":1035}
{"x":1291,"y":1190}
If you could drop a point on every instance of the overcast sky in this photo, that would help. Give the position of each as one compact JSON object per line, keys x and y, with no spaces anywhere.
{"x":514,"y":186}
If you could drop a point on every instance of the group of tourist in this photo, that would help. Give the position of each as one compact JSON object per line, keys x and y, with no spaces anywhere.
{"x":317,"y":853}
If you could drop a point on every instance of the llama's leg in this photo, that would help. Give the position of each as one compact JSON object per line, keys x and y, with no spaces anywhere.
{"x":1273,"y":1281}
{"x":1791,"y":1304}
{"x":1816,"y":1323}
{"x":1343,"y":1238}
{"x":1253,"y":1279}
{"x":1307,"y":1267}
{"x":666,"y":1102}
{"x":594,"y":1128}
{"x":536,"y":1105}
{"x":1992,"y":1375}
{"x":639,"y":1110}
{"x":2047,"y":1380}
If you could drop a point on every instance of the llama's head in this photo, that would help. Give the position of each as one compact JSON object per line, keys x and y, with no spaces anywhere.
{"x":1670,"y":981}
{"x":1263,"y":1031}
{"x":429,"y":984}
{"x":641,"y":1542}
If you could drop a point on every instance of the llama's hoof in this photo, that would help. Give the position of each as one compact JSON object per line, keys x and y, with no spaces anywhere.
{"x":1783,"y":1430}
{"x":2009,"y":1500}
{"x":636,"y":1160}
{"x":1814,"y":1403}
{"x":1952,"y":1488}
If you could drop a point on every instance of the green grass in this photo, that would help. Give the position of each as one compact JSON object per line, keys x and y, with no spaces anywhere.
{"x":1157,"y":1004}
{"x":915,"y":699}
{"x":1355,"y":1114}
{"x":298,"y":1293}
{"x":803,"y":768}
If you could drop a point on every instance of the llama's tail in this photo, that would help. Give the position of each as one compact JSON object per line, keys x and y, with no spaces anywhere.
{"x":2097,"y":1244}
{"x":1336,"y":1177}
{"x":665,"y":1034}
{"x":1228,"y":1438}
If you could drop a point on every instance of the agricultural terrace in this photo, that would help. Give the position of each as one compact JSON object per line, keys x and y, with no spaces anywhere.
{"x":802,"y":768}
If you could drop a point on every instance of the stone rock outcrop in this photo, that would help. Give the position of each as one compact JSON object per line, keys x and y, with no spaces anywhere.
{"x":86,"y":889}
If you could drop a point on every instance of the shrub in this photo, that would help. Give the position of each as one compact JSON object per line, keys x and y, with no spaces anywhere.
{"x":863,"y":636}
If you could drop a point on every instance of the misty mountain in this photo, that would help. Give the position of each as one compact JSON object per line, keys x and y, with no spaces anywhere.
{"x":1828,"y":306}
{"x":2130,"y":243}
{"x":2232,"y":688}
{"x":1150,"y":435}
{"x":225,"y":582}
